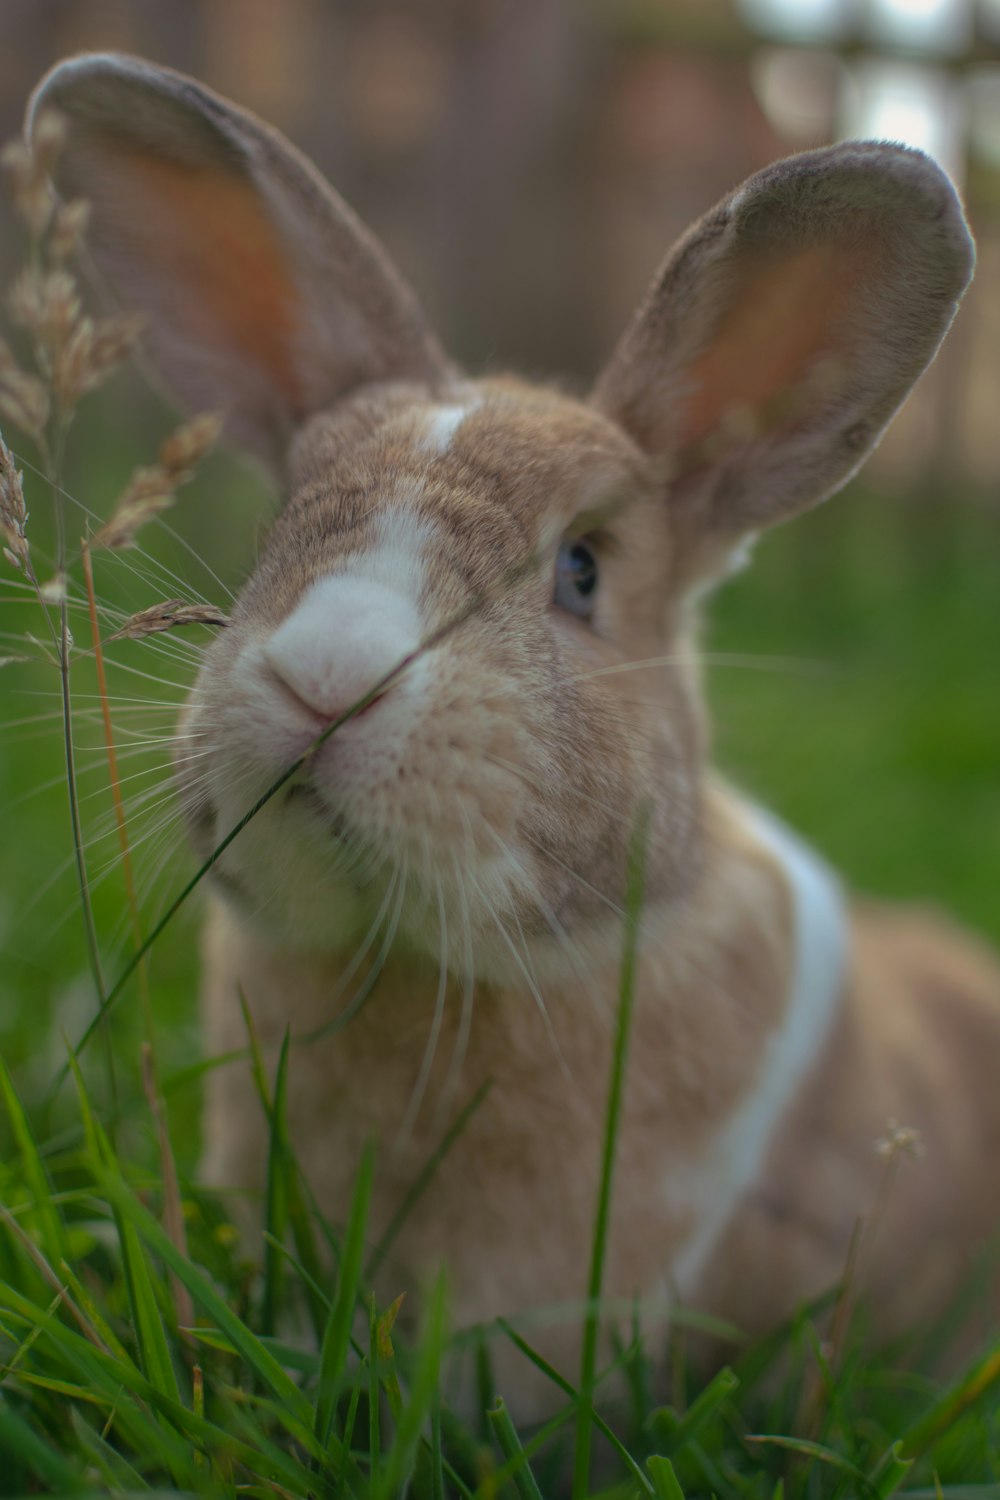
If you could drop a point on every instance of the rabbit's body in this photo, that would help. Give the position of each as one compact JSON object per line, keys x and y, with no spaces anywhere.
{"x":748,"y":1148}
{"x":517,"y":572}
{"x":913,"y":1042}
{"x":524,"y":1170}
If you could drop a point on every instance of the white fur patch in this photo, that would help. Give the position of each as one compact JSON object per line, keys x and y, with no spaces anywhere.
{"x":736,"y":1156}
{"x":443,"y":424}
{"x":395,"y":553}
{"x":740,"y":555}
{"x":345,"y":634}
{"x":726,"y":567}
{"x":355,"y":625}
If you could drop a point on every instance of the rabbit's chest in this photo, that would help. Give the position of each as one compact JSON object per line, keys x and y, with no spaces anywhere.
{"x":489,"y":1113}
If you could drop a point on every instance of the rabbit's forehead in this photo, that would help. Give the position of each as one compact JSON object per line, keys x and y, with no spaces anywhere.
{"x":538,"y":456}
{"x":544,"y":453}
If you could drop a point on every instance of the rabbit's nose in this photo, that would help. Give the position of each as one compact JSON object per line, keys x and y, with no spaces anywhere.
{"x":342,"y":638}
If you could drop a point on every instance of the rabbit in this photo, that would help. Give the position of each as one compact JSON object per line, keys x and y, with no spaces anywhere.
{"x":435,"y":902}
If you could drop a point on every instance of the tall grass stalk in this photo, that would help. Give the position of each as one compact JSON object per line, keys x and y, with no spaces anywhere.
{"x":48,"y":308}
{"x":602,"y":1218}
{"x":72,"y":355}
{"x":52,"y":463}
{"x":114,"y":775}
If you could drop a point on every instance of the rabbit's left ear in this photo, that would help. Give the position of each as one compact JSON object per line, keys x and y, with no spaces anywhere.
{"x":264,"y":295}
{"x":783,"y":332}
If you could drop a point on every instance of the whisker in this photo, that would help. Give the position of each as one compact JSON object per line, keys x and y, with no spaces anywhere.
{"x":368,"y":984}
{"x":566,"y":945}
{"x":533,"y":785}
{"x":464,"y":1031}
{"x":160,"y":767}
{"x":705,"y":658}
{"x":176,"y":536}
{"x":535,"y":993}
{"x":430,"y":1051}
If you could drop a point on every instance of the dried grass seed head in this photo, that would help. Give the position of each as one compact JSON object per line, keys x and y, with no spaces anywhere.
{"x":29,"y":191}
{"x":899,"y":1140}
{"x":93,"y":350}
{"x":184,"y":449}
{"x":26,"y":171}
{"x":13,"y":512}
{"x":48,"y":139}
{"x":167,"y":616}
{"x":47,"y":304}
{"x":69,"y":225}
{"x":151,"y":488}
{"x":23,"y":397}
{"x":27,"y":408}
{"x":147,"y":494}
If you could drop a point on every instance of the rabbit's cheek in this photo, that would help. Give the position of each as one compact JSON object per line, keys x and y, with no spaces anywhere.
{"x":430,"y":771}
{"x":287,"y":874}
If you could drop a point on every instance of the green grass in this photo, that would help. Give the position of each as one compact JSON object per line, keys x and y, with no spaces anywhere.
{"x":878,"y":734}
{"x":104,"y":1391}
{"x":855,"y":690}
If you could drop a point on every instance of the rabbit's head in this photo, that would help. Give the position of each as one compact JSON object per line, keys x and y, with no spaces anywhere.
{"x":545,"y":550}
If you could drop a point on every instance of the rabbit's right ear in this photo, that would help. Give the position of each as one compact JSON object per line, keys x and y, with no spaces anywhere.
{"x":266,"y":297}
{"x":783,"y":332}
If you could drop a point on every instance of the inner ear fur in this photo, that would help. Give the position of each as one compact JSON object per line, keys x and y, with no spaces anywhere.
{"x":784,"y":330}
{"x":265,"y":295}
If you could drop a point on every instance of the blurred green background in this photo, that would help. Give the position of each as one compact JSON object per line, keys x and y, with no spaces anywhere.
{"x":527,"y":165}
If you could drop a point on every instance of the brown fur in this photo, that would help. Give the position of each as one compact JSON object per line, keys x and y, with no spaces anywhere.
{"x":480,"y":811}
{"x":514,"y":1199}
{"x":916,"y":1041}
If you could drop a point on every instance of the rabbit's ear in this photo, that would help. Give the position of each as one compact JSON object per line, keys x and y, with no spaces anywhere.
{"x":784,"y":330}
{"x":266,"y":296}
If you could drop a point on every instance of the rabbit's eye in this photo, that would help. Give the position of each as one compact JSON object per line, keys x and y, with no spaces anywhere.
{"x":576,"y":579}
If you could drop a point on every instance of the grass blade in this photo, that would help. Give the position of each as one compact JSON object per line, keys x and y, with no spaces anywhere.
{"x":308,"y":1265}
{"x":21,"y":1445}
{"x":374,"y":1401}
{"x":173,"y":1208}
{"x":513,"y":1453}
{"x":287,"y":1200}
{"x":953,"y":1405}
{"x":806,"y":1448}
{"x":891,"y":1472}
{"x":107,"y":1377}
{"x":154,"y":1355}
{"x":44,"y":1215}
{"x":664,"y":1479}
{"x":673,"y":1433}
{"x":276,"y":1216}
{"x":251,"y":1350}
{"x":602,"y":1217}
{"x":568,"y":1389}
{"x":436,"y":1465}
{"x":119,"y":1474}
{"x":349,"y":1421}
{"x":400,"y":1460}
{"x":338,"y":1327}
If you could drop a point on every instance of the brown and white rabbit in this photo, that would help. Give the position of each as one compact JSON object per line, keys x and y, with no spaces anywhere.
{"x":460,"y":847}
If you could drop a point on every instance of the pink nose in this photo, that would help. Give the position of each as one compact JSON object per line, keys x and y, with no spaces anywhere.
{"x":341,"y":639}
